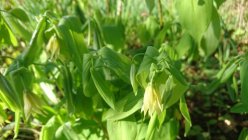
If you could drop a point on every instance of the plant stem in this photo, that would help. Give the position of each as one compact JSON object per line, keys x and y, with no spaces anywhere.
{"x":160,"y":12}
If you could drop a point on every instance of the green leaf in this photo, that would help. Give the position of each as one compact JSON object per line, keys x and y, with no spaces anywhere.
{"x":120,"y":64}
{"x":68,"y":89}
{"x":122,"y":130}
{"x":219,"y":2}
{"x":3,"y":115}
{"x":228,"y":70}
{"x":124,"y":108}
{"x":133,"y":79}
{"x":88,"y":84}
{"x":33,"y":51}
{"x":223,"y":75}
{"x":103,"y":88}
{"x":21,"y":79}
{"x":17,"y":123}
{"x":6,"y":36}
{"x":185,"y":113}
{"x":71,"y":41}
{"x":20,"y":14}
{"x":211,"y":37}
{"x":244,"y":81}
{"x":151,"y":127}
{"x":184,"y":45}
{"x":195,"y":16}
{"x":16,"y":26}
{"x":48,"y":130}
{"x":150,"y":4}
{"x":69,"y":133}
{"x":168,"y":131}
{"x":83,"y":105}
{"x":144,"y":68}
{"x":244,"y":134}
{"x":114,"y":34}
{"x":71,"y":22}
{"x":177,"y":92}
{"x":239,"y":108}
{"x":8,"y":95}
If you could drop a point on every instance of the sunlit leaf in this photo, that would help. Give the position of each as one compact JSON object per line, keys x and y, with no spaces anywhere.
{"x":185,"y":112}
{"x":211,"y":37}
{"x":195,"y":16}
{"x":103,"y":88}
{"x":20,"y":14}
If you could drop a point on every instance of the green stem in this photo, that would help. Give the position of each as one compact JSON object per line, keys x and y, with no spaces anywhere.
{"x":160,"y":12}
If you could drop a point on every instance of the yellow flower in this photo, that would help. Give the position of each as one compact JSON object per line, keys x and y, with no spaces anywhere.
{"x":53,"y":47}
{"x":151,"y":101}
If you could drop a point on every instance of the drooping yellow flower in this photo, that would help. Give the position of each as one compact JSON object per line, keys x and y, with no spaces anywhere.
{"x":53,"y":47}
{"x":151,"y":101}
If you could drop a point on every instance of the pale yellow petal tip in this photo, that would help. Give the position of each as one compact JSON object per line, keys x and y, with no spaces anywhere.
{"x":151,"y":101}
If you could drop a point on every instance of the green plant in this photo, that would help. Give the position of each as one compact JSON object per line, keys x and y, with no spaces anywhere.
{"x":114,"y":69}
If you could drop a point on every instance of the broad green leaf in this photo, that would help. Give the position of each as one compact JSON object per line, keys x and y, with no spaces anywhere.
{"x":8,"y":95}
{"x":124,"y":108}
{"x":195,"y":16}
{"x":33,"y":51}
{"x":119,"y":63}
{"x":48,"y":130}
{"x":6,"y":36}
{"x":166,"y":89}
{"x":244,"y":134}
{"x":21,"y":79}
{"x":71,"y":22}
{"x":114,"y":34}
{"x":185,"y":112}
{"x":3,"y":115}
{"x":103,"y":88}
{"x":16,"y":27}
{"x":211,"y":37}
{"x":59,"y":135}
{"x":177,"y":92}
{"x":69,"y":133}
{"x":152,"y":25}
{"x":177,"y":74}
{"x":88,"y":84}
{"x":239,"y":108}
{"x":219,"y":2}
{"x":122,"y":130}
{"x":144,"y":68}
{"x":150,"y":4}
{"x":168,"y":131}
{"x":244,"y":81}
{"x":143,"y":34}
{"x":98,"y":39}
{"x":71,"y":40}
{"x":20,"y":14}
{"x":83,"y":105}
{"x":68,"y":89}
{"x":184,"y":45}
{"x":141,"y":131}
{"x":148,"y":30}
